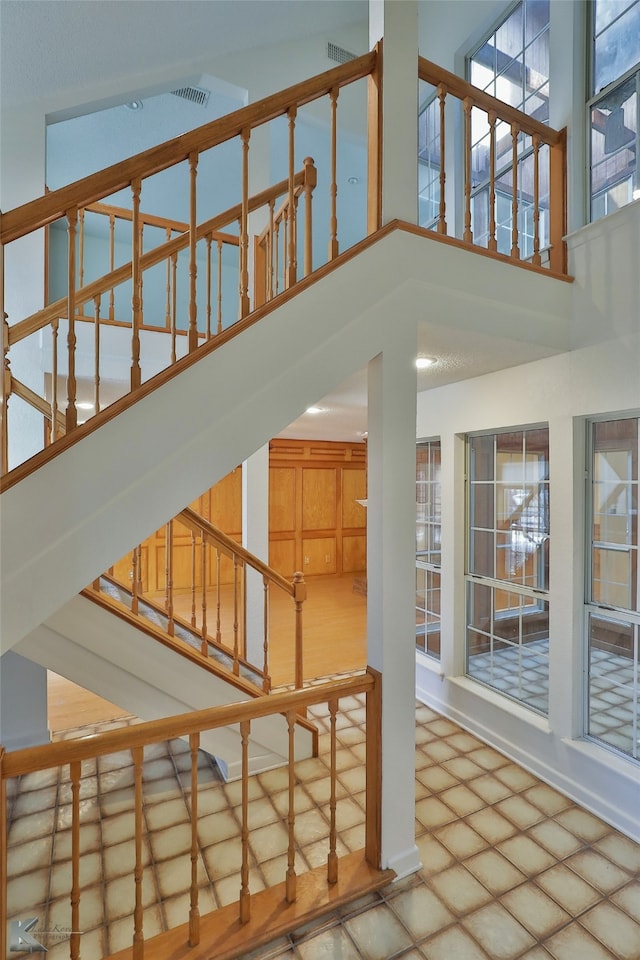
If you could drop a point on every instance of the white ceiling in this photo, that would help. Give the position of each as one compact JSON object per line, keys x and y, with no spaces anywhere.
{"x":50,"y":46}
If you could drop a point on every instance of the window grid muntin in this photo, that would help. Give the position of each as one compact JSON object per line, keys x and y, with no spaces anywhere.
{"x":523,"y":600}
{"x":621,"y":187}
{"x":609,"y":669}
{"x":428,"y":546}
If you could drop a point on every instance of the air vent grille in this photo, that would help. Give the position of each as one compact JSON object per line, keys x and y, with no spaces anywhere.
{"x":339,"y":54}
{"x":197,"y":95}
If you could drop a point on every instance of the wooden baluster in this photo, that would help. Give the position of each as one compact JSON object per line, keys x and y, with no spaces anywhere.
{"x":208,"y":308}
{"x":299,"y":596}
{"x":81,"y":248}
{"x":442,"y":222}
{"x":136,"y":279}
{"x":291,"y":816}
{"x":134,"y":580}
{"x":205,"y":645}
{"x":276,"y":287}
{"x":71,"y":412}
{"x":193,"y":579}
{"x":333,"y":189}
{"x":96,"y":352}
{"x":244,"y":227}
{"x":218,"y":630}
{"x":194,"y":912}
{"x":558,"y":204}
{"x":292,"y":258}
{"x":74,"y":945}
{"x":243,"y":611}
{"x":467,"y":106}
{"x":167,"y":317}
{"x":536,"y":259}
{"x":272,"y":252}
{"x":285,"y":244}
{"x":112,"y":263}
{"x":138,"y":935}
{"x":245,"y":896}
{"x":4,"y":829}
{"x":373,"y":815}
{"x":492,"y":242}
{"x":332,"y":859}
{"x":515,"y":251}
{"x":219,"y":327}
{"x":266,"y":683}
{"x":174,"y":305}
{"x":236,"y":665}
{"x":53,"y":432}
{"x":193,"y":267}
{"x":169,"y":577}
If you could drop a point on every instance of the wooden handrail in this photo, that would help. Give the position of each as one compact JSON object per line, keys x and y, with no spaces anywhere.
{"x":435,"y":75}
{"x":31,"y":759}
{"x":215,"y":536}
{"x":38,"y":213}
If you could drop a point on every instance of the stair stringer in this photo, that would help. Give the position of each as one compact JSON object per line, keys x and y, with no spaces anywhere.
{"x":91,"y":647}
{"x":66,"y":523}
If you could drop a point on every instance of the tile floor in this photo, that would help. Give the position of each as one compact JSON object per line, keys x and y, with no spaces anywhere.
{"x":511,"y":868}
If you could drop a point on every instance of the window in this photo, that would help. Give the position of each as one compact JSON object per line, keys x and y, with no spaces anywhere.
{"x":507,"y":570}
{"x":613,"y":589}
{"x":428,"y":547}
{"x":613,"y":108}
{"x":512,"y":64}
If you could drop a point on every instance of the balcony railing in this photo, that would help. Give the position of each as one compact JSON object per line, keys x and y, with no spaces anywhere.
{"x":147,"y":291}
{"x":254,"y":918}
{"x":213,"y":620}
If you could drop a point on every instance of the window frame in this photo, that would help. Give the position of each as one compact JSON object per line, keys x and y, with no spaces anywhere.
{"x":614,"y":614}
{"x":596,"y":96}
{"x":430,"y":567}
{"x":539,"y":598}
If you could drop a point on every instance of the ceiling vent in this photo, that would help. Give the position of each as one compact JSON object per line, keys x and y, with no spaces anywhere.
{"x":197,"y":95}
{"x":339,"y":54}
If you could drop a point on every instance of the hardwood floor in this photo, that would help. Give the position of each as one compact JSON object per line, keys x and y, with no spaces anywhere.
{"x":335,"y":641}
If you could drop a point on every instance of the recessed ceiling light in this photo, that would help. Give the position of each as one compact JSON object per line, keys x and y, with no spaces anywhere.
{"x":315,"y":410}
{"x":353,"y":180}
{"x":423,"y":362}
{"x":84,"y":405}
{"x":134,"y":105}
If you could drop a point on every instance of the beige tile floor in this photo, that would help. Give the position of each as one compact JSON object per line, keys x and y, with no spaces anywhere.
{"x":511,"y":868}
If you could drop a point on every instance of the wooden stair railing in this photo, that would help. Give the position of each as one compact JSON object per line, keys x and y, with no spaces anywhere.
{"x":194,"y":153}
{"x":526,"y":168}
{"x":215,"y":599}
{"x":525,"y":159}
{"x":256,"y":917}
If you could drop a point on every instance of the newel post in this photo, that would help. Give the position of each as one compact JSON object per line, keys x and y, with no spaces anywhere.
{"x":558,"y":204}
{"x":299,"y":596}
{"x":310,"y":182}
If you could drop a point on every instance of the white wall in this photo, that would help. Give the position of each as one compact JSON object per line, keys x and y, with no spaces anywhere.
{"x":603,"y":377}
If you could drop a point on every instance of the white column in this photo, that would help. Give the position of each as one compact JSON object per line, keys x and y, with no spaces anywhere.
{"x":23,"y":702}
{"x":255,"y":538}
{"x":396,"y":21}
{"x":391,"y":584}
{"x":567,"y":73}
{"x":567,"y":506}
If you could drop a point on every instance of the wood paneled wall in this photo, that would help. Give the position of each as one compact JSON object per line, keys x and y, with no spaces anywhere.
{"x":315,"y":523}
{"x":222,"y":505}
